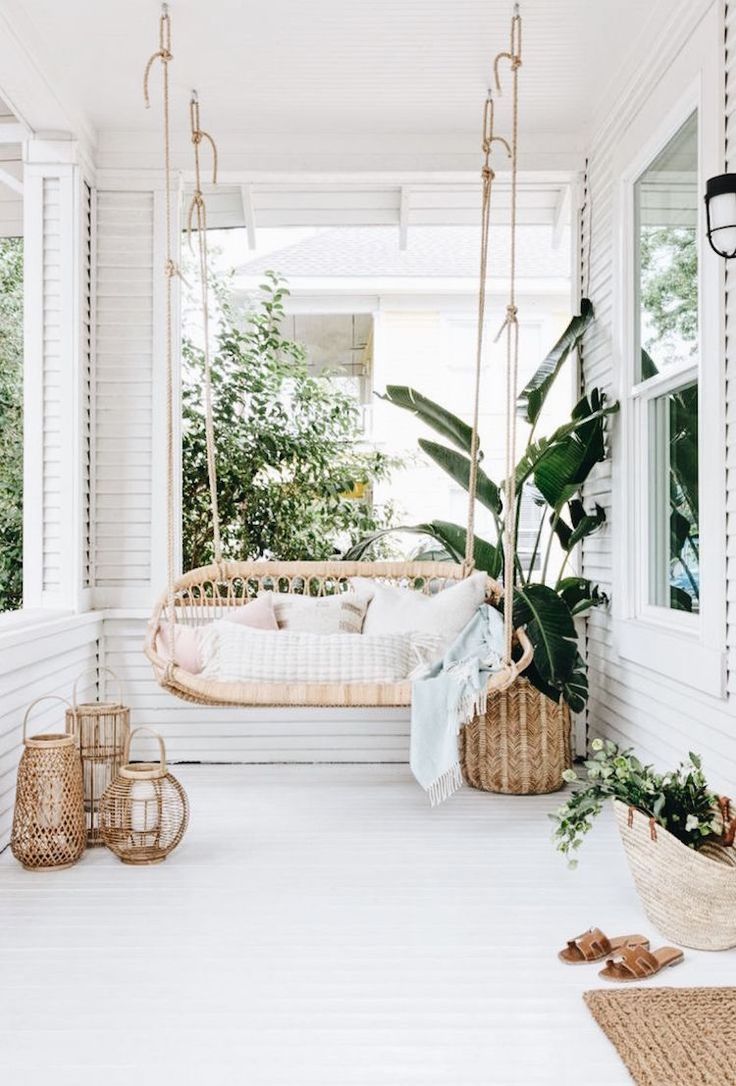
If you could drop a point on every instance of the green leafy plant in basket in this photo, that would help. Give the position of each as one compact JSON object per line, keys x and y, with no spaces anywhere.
{"x":552,"y":471}
{"x":680,"y":800}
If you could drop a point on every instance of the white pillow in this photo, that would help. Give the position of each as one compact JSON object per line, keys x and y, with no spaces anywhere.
{"x":321,"y":614}
{"x":233,"y":653}
{"x":405,"y":610}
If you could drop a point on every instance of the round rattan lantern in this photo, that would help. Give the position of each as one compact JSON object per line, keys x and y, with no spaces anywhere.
{"x":48,"y":822}
{"x":144,"y":811}
{"x":101,"y":729}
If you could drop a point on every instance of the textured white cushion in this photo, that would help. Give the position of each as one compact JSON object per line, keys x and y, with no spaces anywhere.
{"x":321,"y":614}
{"x":404,"y":610}
{"x":234,"y":653}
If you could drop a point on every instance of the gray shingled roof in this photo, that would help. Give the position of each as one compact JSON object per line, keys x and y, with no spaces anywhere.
{"x":446,"y":251}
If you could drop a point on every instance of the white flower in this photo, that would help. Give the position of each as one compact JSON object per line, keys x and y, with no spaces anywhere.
{"x":597,"y":744}
{"x":692,"y":822}
{"x":569,"y":775}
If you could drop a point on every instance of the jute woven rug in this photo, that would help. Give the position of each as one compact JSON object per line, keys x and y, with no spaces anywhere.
{"x":671,"y":1036}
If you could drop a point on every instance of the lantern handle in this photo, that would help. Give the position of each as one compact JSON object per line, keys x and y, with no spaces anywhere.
{"x":96,"y":671}
{"x":46,"y":697}
{"x":156,"y":736}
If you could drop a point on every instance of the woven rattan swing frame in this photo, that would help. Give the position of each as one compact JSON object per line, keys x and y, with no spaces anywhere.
{"x":202,"y":595}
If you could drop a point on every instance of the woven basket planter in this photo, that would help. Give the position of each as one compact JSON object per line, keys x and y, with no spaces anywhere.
{"x":520,"y":746}
{"x":144,"y":811}
{"x":689,"y":896}
{"x":48,"y":822}
{"x":101,"y":729}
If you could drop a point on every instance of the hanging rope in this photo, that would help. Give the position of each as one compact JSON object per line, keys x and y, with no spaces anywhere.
{"x":198,"y":215}
{"x":511,"y":327}
{"x":487,"y":176}
{"x":164,"y":54}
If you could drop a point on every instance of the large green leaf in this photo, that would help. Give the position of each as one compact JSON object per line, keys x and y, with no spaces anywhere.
{"x":358,"y":551}
{"x":487,"y":557}
{"x":457,"y":467}
{"x":582,"y":523}
{"x":561,"y":463}
{"x":532,"y":397}
{"x":580,"y":594}
{"x":551,"y":631}
{"x":436,"y":416}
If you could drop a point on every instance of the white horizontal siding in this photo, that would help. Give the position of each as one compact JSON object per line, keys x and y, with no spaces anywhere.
{"x":47,"y":663}
{"x":201,"y":733}
{"x":123,"y":387}
{"x":661,"y":718}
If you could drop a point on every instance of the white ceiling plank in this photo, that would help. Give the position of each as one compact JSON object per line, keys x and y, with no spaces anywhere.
{"x":409,"y":75}
{"x":246,"y":196}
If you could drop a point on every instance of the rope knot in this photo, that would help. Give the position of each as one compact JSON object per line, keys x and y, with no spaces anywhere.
{"x":169,"y":672}
{"x":197,"y":136}
{"x":511,"y":314}
{"x":170,"y":269}
{"x":487,"y":173}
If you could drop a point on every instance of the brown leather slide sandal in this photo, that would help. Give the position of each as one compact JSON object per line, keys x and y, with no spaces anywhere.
{"x":594,"y":946}
{"x":636,"y":963}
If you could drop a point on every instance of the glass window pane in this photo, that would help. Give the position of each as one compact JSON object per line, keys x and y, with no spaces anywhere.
{"x":674,"y":573}
{"x":666,"y":221}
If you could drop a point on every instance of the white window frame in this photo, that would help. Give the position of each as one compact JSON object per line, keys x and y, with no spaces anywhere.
{"x":682,"y":646}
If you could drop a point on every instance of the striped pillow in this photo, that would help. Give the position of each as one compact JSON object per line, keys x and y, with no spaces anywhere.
{"x":321,"y":614}
{"x":236,"y":654}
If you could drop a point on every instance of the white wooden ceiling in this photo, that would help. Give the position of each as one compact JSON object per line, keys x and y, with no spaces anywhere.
{"x":292,"y":74}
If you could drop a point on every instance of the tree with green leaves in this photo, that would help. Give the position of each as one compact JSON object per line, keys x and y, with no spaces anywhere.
{"x":553,"y":471}
{"x":294,"y":473}
{"x":668,"y":258}
{"x":11,"y":423}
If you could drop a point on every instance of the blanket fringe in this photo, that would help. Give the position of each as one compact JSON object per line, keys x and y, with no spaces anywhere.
{"x":473,"y":703}
{"x":446,"y":785}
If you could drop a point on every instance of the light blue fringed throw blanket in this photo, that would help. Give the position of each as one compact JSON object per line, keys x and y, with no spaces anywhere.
{"x":446,"y":696}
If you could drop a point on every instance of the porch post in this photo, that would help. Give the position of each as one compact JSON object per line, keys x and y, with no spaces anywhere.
{"x":54,"y":500}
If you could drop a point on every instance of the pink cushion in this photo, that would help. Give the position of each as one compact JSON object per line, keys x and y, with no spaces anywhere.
{"x":186,"y":646}
{"x":258,"y":614}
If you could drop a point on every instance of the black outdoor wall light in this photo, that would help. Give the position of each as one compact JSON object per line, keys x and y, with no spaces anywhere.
{"x":720,"y":210}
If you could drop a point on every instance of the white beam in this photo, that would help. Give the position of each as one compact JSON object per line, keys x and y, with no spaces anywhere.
{"x":246,"y":195}
{"x":404,"y":217}
{"x":561,"y":215}
{"x":7,"y":178}
{"x":13,"y":132}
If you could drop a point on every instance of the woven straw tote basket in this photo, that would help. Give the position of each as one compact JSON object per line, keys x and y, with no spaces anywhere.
{"x":48,"y":822}
{"x":520,"y":746}
{"x":690,"y":897}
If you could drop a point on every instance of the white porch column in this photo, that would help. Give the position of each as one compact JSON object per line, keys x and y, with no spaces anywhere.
{"x":55,"y":500}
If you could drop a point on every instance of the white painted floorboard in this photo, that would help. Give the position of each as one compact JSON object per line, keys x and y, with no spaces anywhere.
{"x":319,"y":926}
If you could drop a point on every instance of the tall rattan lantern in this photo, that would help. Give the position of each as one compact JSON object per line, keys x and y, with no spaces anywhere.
{"x":102,"y":729}
{"x":48,"y":823}
{"x":145,"y":811}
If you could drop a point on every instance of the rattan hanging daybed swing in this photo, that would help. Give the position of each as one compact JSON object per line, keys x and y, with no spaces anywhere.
{"x":206,"y":594}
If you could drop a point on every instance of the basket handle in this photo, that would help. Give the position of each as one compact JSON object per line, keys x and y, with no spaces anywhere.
{"x":46,"y":697}
{"x":156,"y":736}
{"x":95,"y":671}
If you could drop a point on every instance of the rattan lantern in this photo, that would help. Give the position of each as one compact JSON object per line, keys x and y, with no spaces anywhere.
{"x":101,"y":729}
{"x":144,"y":811}
{"x":48,"y":823}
